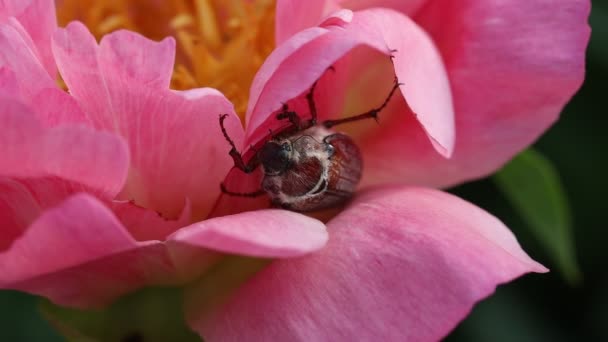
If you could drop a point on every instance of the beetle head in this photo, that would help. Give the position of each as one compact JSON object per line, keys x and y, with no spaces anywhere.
{"x":275,"y":156}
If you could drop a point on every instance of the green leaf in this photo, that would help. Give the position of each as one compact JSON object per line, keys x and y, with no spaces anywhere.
{"x":149,"y":315}
{"x":531,"y":184}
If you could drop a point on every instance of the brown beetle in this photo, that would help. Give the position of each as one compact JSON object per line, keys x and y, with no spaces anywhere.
{"x":306,"y":166}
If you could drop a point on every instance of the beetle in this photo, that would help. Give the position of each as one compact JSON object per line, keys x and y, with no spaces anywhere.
{"x":306,"y":166}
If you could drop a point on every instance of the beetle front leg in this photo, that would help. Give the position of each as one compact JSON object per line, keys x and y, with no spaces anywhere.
{"x":312,"y":107}
{"x":241,"y":194}
{"x":372,"y":114}
{"x":293,"y":117}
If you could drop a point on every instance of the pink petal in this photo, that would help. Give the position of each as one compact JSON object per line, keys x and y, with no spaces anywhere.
{"x":512,"y":67}
{"x":178,"y":156}
{"x":270,"y":233}
{"x":403,"y":264}
{"x":23,"y":77}
{"x":55,"y":107}
{"x":144,"y":224}
{"x":177,"y":148}
{"x":293,"y":16}
{"x":272,"y":65}
{"x":409,"y":7}
{"x":417,"y":64}
{"x":21,"y":56}
{"x":39,"y":20}
{"x":9,"y":87}
{"x":95,"y":159}
{"x":78,"y":254}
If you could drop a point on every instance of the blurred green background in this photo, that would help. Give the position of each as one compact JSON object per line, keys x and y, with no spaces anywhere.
{"x":535,"y":307}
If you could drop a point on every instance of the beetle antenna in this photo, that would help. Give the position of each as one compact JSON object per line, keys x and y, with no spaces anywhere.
{"x":234,"y":153}
{"x":224,"y":132}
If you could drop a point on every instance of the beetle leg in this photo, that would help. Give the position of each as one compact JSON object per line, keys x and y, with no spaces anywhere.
{"x":241,"y":194}
{"x":369,"y":114}
{"x":234,"y":153}
{"x":293,"y":117}
{"x":312,"y":107}
{"x":310,"y":98}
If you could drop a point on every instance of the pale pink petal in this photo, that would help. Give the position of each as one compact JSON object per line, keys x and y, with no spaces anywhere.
{"x":402,"y":264}
{"x":23,"y":77}
{"x":128,"y":57}
{"x":75,"y":51}
{"x":270,"y":233}
{"x":39,"y":19}
{"x":417,"y":64}
{"x":78,"y":254}
{"x":19,"y":54}
{"x":177,"y":148}
{"x":98,"y":160}
{"x":513,"y":66}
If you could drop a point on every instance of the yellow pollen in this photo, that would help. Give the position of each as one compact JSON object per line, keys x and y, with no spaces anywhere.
{"x":220,"y":43}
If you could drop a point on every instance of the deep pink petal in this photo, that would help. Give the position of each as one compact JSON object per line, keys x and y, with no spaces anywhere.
{"x":402,"y":264}
{"x":78,"y":254}
{"x":178,"y":151}
{"x":98,"y":160}
{"x":23,"y":200}
{"x":97,"y":281}
{"x":512,"y":67}
{"x":18,"y":209}
{"x":39,"y":20}
{"x":417,"y":64}
{"x":270,"y":233}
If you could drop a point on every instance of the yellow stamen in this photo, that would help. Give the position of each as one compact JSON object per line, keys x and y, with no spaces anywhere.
{"x":220,"y":43}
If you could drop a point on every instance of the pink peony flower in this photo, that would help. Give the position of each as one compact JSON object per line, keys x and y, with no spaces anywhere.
{"x":115,"y":185}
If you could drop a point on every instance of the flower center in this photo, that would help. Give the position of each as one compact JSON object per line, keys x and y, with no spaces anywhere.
{"x":220,"y":44}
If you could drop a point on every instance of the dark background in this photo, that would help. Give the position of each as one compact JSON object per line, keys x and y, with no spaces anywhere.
{"x":535,"y":307}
